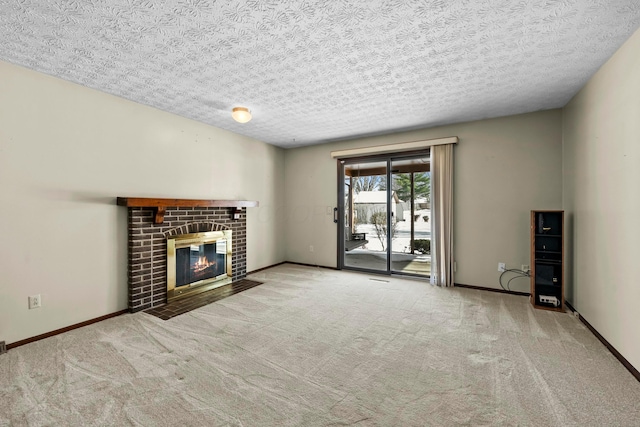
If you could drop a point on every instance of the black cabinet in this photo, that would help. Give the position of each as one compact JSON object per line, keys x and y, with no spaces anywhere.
{"x":547,"y":260}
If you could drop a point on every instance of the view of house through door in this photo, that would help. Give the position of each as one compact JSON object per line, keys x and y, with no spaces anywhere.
{"x":386,"y":231}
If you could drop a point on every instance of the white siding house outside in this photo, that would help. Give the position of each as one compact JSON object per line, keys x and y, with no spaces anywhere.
{"x":366,"y":203}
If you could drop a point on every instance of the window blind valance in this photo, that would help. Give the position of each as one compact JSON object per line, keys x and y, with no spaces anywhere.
{"x":392,"y":148}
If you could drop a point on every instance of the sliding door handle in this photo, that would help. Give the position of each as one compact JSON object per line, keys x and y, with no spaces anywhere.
{"x":335,"y":215}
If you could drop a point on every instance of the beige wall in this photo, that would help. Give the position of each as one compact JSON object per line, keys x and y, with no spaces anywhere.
{"x":503,"y":169}
{"x":601,"y":177}
{"x":66,"y":153}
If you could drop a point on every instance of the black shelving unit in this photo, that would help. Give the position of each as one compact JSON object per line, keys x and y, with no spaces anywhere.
{"x":547,"y":260}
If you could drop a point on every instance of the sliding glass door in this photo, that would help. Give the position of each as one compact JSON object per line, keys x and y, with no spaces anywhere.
{"x":385,"y":228}
{"x":411,"y":208}
{"x":365,"y":240}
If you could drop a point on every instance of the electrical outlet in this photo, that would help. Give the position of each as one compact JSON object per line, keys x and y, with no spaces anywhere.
{"x":3,"y":347}
{"x":310,"y":248}
{"x":525,"y":268}
{"x":35,"y":301}
{"x":501,"y":266}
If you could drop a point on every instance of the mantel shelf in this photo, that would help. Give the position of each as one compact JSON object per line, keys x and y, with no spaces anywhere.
{"x":160,"y":205}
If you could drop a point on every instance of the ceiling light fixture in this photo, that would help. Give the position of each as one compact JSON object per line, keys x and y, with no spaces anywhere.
{"x":241,"y":114}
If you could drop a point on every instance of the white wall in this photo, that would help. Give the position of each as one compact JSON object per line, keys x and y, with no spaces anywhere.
{"x":601,"y":177}
{"x":504,"y":168}
{"x":66,"y":153}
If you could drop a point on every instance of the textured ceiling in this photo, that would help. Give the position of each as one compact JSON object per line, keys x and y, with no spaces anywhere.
{"x":320,"y":70}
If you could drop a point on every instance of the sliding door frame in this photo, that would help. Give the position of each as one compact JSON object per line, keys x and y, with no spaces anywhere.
{"x":341,"y":211}
{"x":389,"y":158}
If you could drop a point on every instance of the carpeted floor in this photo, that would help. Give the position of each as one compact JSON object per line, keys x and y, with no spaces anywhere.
{"x":316,"y":347}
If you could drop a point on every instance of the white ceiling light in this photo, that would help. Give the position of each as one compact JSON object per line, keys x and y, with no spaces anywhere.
{"x":241,"y":114}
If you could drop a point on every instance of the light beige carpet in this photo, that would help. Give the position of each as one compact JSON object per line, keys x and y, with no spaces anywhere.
{"x":315,"y":347}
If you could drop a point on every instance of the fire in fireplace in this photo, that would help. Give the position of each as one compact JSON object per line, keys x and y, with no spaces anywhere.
{"x":198,"y":262}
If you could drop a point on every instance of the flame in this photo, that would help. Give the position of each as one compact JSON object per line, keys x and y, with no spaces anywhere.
{"x":202,"y":264}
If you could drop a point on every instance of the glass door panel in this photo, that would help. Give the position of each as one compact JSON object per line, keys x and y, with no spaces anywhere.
{"x":365,"y":216}
{"x":411,"y":212}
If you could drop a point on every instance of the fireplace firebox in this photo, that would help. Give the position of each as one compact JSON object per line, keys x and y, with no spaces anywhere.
{"x":198,"y":262}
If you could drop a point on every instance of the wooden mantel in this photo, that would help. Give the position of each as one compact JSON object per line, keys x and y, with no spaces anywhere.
{"x":160,"y":205}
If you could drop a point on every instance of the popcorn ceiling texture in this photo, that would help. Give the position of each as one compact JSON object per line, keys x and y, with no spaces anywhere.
{"x":318,"y":70}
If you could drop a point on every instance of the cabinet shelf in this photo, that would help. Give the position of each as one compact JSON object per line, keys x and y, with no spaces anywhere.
{"x":547,"y":286}
{"x":547,"y":275}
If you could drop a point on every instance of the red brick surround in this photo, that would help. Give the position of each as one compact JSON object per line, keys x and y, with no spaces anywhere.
{"x":147,"y":269}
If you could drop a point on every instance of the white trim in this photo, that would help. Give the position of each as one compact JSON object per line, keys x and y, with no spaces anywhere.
{"x":393,"y":148}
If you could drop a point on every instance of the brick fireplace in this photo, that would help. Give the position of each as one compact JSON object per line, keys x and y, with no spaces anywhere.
{"x":147,"y":244}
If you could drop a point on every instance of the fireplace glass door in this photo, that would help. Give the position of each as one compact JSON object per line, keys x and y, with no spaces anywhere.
{"x":198,"y":262}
